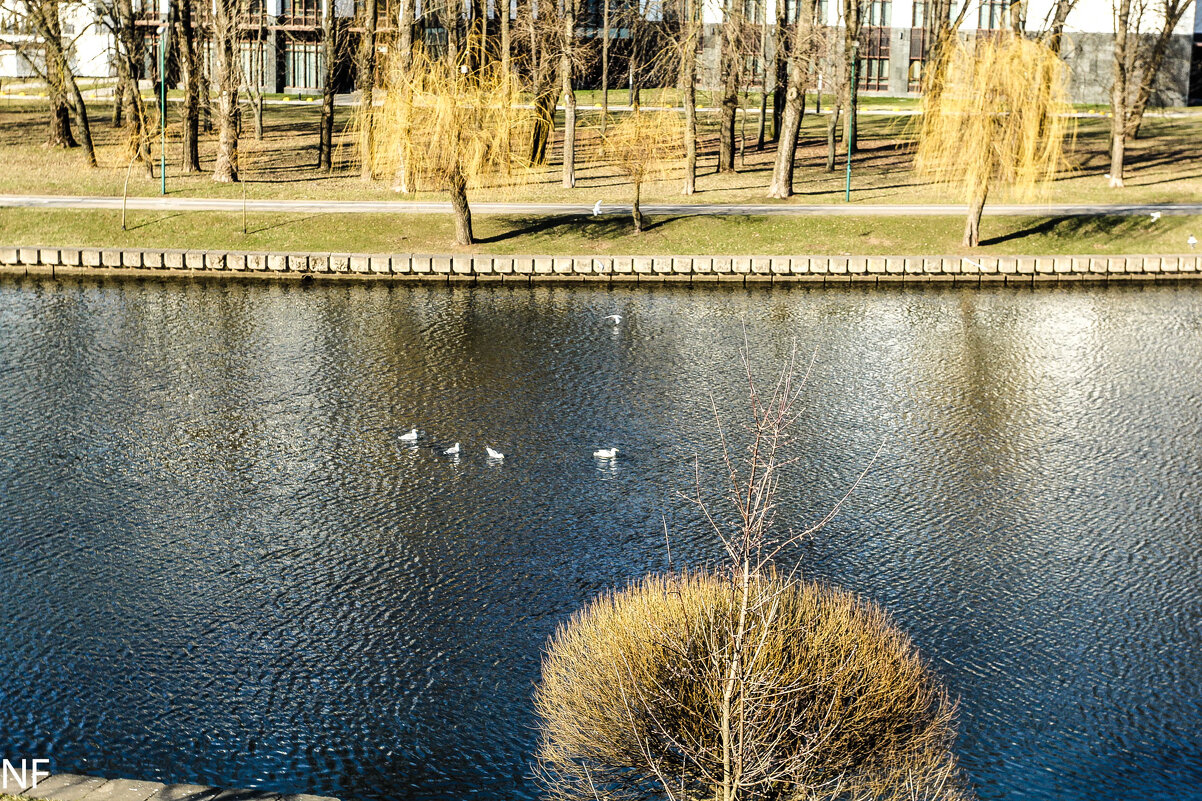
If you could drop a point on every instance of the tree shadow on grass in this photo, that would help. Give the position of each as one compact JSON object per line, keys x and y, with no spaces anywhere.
{"x":155,"y":221}
{"x":1085,"y":228}
{"x":582,"y":226}
{"x":281,"y":224}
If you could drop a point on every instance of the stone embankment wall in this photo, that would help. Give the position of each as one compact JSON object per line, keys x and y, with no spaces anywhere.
{"x":694,"y":269}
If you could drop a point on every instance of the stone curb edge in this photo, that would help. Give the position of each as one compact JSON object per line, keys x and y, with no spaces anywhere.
{"x":645,"y":269}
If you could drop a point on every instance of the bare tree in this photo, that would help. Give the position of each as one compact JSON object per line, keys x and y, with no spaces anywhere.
{"x":800,"y":57}
{"x":229,"y":113}
{"x":129,"y":56}
{"x":604,"y":65}
{"x":1053,"y":29}
{"x":55,"y":67}
{"x":333,"y":43}
{"x":188,"y":50}
{"x":1143,"y":32}
{"x":743,"y":683}
{"x":852,"y":23}
{"x":729,"y":74}
{"x":367,"y":82}
{"x":690,"y":28}
{"x":567,"y":48}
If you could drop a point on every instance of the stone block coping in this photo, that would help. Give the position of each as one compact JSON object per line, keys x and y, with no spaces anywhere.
{"x":459,"y":268}
{"x":74,"y":787}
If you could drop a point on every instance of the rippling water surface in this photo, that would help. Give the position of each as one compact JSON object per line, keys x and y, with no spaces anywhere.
{"x":219,"y":564}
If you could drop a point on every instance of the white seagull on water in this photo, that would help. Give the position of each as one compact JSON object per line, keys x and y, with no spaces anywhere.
{"x":617,"y":318}
{"x":494,"y":454}
{"x":453,"y":450}
{"x":409,"y":436}
{"x":605,"y":453}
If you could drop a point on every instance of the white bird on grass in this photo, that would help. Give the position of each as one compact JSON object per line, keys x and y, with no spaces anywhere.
{"x":452,"y":451}
{"x":617,"y":318}
{"x":1192,"y":242}
{"x":605,"y":453}
{"x":1155,"y":216}
{"x":597,"y":209}
{"x":494,"y":454}
{"x":409,"y":436}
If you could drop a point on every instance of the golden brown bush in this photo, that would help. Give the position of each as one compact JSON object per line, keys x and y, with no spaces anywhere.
{"x":831,"y":701}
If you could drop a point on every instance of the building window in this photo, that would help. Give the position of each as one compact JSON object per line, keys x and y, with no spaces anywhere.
{"x":991,"y":15}
{"x":874,"y":55}
{"x":879,"y":13}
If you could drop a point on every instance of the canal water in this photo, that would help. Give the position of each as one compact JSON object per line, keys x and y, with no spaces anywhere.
{"x":220,"y":565}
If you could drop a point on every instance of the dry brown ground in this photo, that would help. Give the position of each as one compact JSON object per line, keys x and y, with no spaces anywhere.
{"x":1165,"y":164}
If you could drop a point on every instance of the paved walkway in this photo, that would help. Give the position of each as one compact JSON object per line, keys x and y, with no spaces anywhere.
{"x":181,"y":203}
{"x":73,"y":787}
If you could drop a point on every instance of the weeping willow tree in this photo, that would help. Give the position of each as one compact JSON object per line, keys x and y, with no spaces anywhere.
{"x":995,"y":114}
{"x":447,"y":127}
{"x":644,"y":146}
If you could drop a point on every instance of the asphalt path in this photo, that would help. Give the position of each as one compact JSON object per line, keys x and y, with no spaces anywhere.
{"x":785,"y":209}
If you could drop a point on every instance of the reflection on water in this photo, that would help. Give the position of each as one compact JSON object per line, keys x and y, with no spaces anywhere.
{"x":221,"y":565}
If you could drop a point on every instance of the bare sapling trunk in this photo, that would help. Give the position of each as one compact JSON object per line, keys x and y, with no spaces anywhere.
{"x":604,"y":65}
{"x":729,"y":74}
{"x":457,"y":188}
{"x":1124,"y":58}
{"x":688,"y":82}
{"x":569,"y":95}
{"x":367,"y":83}
{"x":329,"y":43}
{"x":190,"y":135}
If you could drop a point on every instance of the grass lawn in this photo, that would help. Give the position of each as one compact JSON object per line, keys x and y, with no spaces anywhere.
{"x":1165,"y":164}
{"x":407,"y":233}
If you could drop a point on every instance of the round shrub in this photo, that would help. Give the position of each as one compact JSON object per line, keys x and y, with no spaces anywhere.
{"x":818,"y":693}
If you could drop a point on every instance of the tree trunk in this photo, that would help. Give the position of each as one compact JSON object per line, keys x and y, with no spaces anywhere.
{"x":59,"y":134}
{"x":569,"y":96}
{"x":190,"y":138}
{"x":119,"y":98}
{"x":635,"y":211}
{"x":832,"y":136}
{"x":604,"y":65}
{"x":81,"y":117}
{"x":330,"y":31}
{"x":544,"y":121}
{"x":730,"y":91}
{"x":688,"y":81}
{"x":972,"y":226}
{"x":463,"y":213}
{"x":1054,"y":36}
{"x":1120,"y":95}
{"x":505,"y":45}
{"x":780,"y":67}
{"x":228,"y":112}
{"x":367,"y":83}
{"x":761,"y":125}
{"x":851,"y":59}
{"x":782,"y":171}
{"x":128,"y":54}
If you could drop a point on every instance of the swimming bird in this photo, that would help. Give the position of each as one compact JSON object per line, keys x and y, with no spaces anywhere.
{"x":605,"y":453}
{"x":453,"y":450}
{"x":1192,"y":242}
{"x":597,"y":209}
{"x":409,"y":436}
{"x":1155,"y":216}
{"x":494,"y":454}
{"x":617,"y":318}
